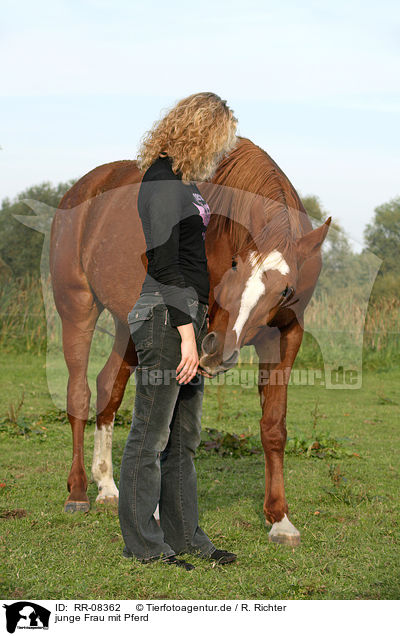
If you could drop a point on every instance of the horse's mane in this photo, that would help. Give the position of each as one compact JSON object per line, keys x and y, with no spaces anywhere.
{"x":252,"y":181}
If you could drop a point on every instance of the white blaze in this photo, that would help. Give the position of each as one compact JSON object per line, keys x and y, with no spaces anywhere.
{"x":255,"y":287}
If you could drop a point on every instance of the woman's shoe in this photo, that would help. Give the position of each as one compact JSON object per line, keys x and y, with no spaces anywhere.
{"x":179,"y":562}
{"x":222,"y":556}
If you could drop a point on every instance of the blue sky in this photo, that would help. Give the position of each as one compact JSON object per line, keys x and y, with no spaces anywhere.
{"x":316,"y":85}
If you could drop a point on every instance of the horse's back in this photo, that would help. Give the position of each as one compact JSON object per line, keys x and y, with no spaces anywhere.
{"x":94,"y":222}
{"x":102,"y":178}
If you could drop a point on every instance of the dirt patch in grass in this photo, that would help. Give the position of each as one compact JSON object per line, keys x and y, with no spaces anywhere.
{"x":16,"y":513}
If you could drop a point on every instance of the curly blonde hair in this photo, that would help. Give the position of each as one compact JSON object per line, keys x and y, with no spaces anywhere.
{"x":196,"y":134}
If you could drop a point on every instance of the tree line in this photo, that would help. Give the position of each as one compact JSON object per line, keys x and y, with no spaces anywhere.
{"x":21,"y":247}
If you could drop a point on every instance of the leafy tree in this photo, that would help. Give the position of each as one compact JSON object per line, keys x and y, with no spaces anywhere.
{"x":20,"y":246}
{"x":336,"y":235}
{"x":382,"y":237}
{"x":337,"y":253}
{"x":342,"y":268}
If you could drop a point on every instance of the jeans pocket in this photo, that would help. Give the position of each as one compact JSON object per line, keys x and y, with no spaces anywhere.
{"x":140,"y":321}
{"x":193,"y":303}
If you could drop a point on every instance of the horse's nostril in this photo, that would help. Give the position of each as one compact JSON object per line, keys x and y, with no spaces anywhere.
{"x":232,"y":360}
{"x":209,"y":344}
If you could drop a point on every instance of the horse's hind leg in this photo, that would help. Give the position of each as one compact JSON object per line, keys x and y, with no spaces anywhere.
{"x":111,"y":383}
{"x":77,"y":338}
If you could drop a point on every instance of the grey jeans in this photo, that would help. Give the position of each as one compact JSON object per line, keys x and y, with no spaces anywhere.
{"x":157,"y":463}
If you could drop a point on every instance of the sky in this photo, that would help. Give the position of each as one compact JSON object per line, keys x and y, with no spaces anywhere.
{"x":315,"y":84}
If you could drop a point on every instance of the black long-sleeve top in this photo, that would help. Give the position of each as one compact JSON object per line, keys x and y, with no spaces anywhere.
{"x":174,"y":218}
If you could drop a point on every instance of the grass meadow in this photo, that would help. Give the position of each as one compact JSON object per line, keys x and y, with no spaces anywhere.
{"x":341,"y":472}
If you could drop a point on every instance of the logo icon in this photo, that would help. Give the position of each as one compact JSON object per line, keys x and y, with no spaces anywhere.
{"x":203,"y":208}
{"x":26,"y":615}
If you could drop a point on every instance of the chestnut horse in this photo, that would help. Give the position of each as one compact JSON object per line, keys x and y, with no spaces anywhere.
{"x":264,"y":261}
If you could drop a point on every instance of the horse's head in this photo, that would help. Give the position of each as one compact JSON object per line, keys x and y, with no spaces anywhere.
{"x":254,"y":287}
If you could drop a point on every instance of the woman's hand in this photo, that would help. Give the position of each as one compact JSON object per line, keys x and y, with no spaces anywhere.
{"x":187,"y":367}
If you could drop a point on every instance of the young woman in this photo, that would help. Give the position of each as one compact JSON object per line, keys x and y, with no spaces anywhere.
{"x":167,"y":325}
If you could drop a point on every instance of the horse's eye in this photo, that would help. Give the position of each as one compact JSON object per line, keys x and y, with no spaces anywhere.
{"x":287,"y":291}
{"x":234,"y":264}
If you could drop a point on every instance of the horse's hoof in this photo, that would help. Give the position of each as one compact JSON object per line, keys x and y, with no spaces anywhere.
{"x":284,"y":532}
{"x":76,"y":506}
{"x":105,"y":500}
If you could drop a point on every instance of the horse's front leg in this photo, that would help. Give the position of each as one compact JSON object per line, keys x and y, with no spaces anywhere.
{"x":272,"y":386}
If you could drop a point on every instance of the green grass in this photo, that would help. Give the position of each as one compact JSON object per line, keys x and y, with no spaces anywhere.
{"x":345,"y":505}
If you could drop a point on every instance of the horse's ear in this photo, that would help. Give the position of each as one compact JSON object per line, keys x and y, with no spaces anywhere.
{"x":309,"y":244}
